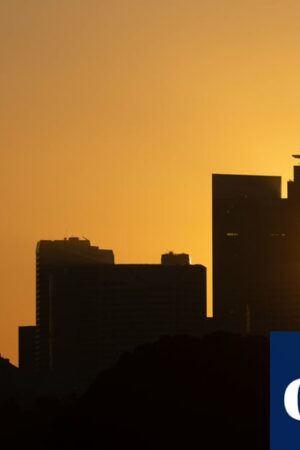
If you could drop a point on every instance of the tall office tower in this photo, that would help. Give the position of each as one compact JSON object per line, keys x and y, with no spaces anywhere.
{"x":256,"y":258}
{"x":53,"y":256}
{"x":98,"y":313}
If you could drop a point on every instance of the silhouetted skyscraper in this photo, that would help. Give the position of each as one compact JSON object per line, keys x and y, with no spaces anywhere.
{"x":52,"y":256}
{"x":256,"y":258}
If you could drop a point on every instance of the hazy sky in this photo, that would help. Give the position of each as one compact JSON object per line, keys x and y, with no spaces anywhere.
{"x":114,"y":114}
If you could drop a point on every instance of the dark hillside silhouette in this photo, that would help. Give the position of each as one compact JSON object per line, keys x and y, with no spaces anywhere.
{"x":182,"y":393}
{"x":178,"y":393}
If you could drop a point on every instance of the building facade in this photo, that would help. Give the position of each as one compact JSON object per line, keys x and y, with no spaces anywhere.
{"x":256,"y":257}
{"x":97,"y":314}
{"x":52,"y":256}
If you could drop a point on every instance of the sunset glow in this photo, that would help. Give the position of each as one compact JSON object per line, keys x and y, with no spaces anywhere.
{"x":115,"y":114}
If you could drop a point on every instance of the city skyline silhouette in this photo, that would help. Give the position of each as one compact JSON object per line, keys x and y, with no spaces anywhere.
{"x":90,"y":310}
{"x":115,"y":114}
{"x":277,"y":188}
{"x":147,"y":181}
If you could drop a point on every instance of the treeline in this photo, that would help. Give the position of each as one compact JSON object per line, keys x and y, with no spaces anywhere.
{"x":178,"y":393}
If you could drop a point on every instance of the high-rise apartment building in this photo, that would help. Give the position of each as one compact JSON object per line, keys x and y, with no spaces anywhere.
{"x":53,"y":256}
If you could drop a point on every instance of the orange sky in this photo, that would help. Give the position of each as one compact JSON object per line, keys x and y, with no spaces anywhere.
{"x":114,"y":114}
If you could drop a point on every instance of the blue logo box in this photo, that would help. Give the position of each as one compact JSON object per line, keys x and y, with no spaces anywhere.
{"x":284,"y":390}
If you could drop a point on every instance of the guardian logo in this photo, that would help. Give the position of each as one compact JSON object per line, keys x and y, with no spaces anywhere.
{"x":285,"y":391}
